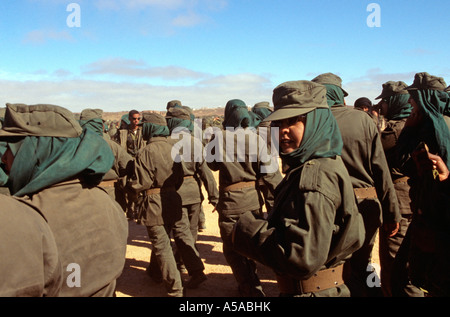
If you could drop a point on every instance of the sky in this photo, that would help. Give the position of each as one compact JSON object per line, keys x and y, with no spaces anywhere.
{"x":119,"y":55}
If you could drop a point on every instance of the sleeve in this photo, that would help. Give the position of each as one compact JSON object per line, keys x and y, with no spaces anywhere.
{"x":143,"y":173}
{"x":297,"y":246}
{"x":383,"y":181}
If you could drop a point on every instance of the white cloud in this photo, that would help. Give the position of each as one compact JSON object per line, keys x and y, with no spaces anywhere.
{"x":43,"y":36}
{"x":139,"y":69}
{"x":78,"y":94}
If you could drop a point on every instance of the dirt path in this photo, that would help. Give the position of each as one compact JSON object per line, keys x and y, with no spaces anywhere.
{"x":134,"y":282}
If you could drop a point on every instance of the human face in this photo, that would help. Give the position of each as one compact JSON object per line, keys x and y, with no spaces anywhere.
{"x":134,"y":120}
{"x":291,"y":133}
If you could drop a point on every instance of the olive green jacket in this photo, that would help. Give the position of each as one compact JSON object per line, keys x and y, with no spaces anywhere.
{"x":364,"y":157}
{"x":155,"y":168}
{"x":90,"y":230}
{"x":30,"y":265}
{"x":315,"y":223}
{"x":195,"y":170}
{"x":389,"y":138}
{"x":252,"y":166}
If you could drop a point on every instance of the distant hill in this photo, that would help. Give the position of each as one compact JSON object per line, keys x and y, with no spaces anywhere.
{"x":199,"y":113}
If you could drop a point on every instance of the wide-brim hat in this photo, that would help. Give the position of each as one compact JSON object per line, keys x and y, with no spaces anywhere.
{"x":294,"y":98}
{"x":39,"y":120}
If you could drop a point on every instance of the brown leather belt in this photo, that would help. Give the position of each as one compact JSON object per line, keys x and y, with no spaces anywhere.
{"x":159,"y":190}
{"x":401,"y":180}
{"x":188,"y":177}
{"x":362,"y":193}
{"x":237,"y":186}
{"x":320,"y":281}
{"x":110,"y":183}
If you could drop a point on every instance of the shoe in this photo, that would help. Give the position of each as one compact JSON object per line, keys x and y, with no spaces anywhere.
{"x":196,"y":280}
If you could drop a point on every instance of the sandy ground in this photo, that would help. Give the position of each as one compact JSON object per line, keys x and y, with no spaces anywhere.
{"x":134,"y":282}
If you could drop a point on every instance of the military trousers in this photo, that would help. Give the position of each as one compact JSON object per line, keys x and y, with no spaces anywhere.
{"x":162,"y":254}
{"x":243,"y":268}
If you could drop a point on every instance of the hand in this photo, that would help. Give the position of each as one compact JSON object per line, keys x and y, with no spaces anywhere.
{"x":427,"y":162}
{"x":391,"y":228}
{"x":440,"y":166}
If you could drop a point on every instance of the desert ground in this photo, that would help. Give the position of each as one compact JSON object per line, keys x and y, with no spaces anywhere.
{"x":134,"y":281}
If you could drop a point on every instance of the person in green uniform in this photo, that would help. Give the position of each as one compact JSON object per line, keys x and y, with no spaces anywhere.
{"x":157,"y":177}
{"x":424,"y":147}
{"x":115,"y":179}
{"x":261,"y":111}
{"x":56,"y":167}
{"x":315,"y":225}
{"x":30,"y":265}
{"x":364,"y":157}
{"x":230,"y":153}
{"x":196,"y":170}
{"x":395,"y":108}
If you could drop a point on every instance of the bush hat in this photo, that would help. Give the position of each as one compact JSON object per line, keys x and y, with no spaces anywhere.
{"x":330,"y":79}
{"x":392,"y":88}
{"x":39,"y":120}
{"x":426,"y":81}
{"x":294,"y":98}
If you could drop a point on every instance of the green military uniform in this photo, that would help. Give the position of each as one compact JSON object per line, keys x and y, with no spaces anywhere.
{"x":237,"y":185}
{"x":261,"y":110}
{"x":315,"y":225}
{"x":157,"y":178}
{"x":196,"y":171}
{"x":426,"y":247}
{"x":30,"y":265}
{"x":56,"y":169}
{"x":364,"y":157}
{"x":396,"y":111}
{"x":115,"y":179}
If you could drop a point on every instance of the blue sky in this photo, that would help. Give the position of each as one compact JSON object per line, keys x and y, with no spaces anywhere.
{"x":139,"y":54}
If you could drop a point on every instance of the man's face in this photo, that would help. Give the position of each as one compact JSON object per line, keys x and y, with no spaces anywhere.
{"x":134,"y":120}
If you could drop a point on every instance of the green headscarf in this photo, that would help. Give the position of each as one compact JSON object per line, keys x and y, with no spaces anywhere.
{"x":150,"y":130}
{"x":237,"y":115}
{"x":261,"y":112}
{"x":398,"y":107}
{"x":173,"y":123}
{"x":321,"y":138}
{"x":3,"y":175}
{"x":335,"y":95}
{"x":45,"y":161}
{"x":434,"y":131}
{"x":95,"y":125}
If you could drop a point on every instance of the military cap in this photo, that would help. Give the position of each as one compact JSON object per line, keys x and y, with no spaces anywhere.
{"x":392,"y":88}
{"x":153,"y":117}
{"x":330,"y":79}
{"x":39,"y":120}
{"x":89,"y":114}
{"x":173,"y":103}
{"x":294,"y":98}
{"x":426,"y":81}
{"x":447,"y":89}
{"x":262,"y":104}
{"x":179,"y":113}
